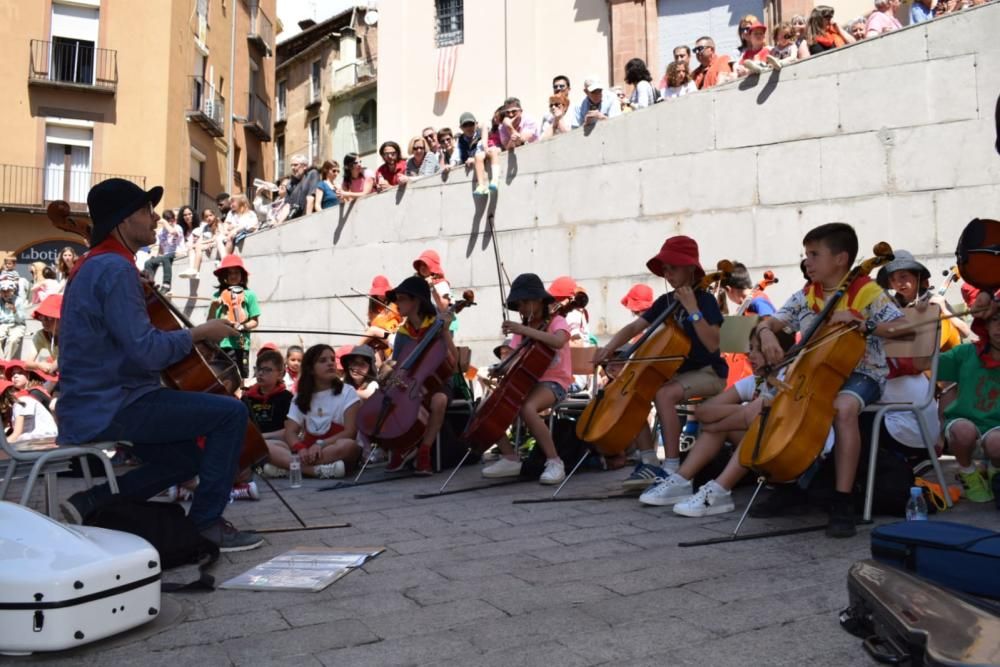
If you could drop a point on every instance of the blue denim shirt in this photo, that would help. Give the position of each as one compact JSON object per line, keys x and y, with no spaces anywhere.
{"x":110,"y":353}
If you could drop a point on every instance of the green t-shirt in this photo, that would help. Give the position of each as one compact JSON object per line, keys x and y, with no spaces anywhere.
{"x":253,"y":312}
{"x":978,"y":387}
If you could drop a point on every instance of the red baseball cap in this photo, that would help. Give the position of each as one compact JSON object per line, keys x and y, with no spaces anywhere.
{"x":639,"y":297}
{"x":563,"y":287}
{"x":269,"y":346}
{"x":678,"y":251}
{"x":757,"y":25}
{"x":380,"y":285}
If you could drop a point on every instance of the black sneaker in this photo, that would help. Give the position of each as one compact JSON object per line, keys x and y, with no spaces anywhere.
{"x":229,"y":539}
{"x":77,"y":508}
{"x":784,"y":500}
{"x":842,"y":522}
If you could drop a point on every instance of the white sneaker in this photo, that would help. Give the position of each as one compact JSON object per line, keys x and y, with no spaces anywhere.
{"x":273,"y":471}
{"x":554,"y":473}
{"x":710,"y":499}
{"x":188,"y":273}
{"x":502,"y":467}
{"x":774,"y":62}
{"x":334,"y":470}
{"x":667,"y":491}
{"x":753,"y":66}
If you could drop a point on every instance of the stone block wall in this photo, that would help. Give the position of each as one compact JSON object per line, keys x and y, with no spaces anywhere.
{"x":894,"y":135}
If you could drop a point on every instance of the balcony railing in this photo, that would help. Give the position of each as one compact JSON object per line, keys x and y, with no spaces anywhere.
{"x":259,"y":117}
{"x":32,"y":188}
{"x":207,"y":107}
{"x":72,"y":63}
{"x":261,"y":32}
{"x":354,"y":74}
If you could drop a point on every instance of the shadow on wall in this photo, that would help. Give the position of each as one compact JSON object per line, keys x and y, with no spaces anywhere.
{"x":588,"y":10}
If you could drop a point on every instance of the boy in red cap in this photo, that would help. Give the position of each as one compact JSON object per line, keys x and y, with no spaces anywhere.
{"x":237,"y":303}
{"x":702,"y":374}
{"x":46,"y":339}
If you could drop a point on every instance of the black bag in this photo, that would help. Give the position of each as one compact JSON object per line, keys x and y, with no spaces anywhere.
{"x":569,"y":447}
{"x":167,"y":528}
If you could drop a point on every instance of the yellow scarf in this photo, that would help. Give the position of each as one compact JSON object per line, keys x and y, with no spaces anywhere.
{"x":861,"y":293}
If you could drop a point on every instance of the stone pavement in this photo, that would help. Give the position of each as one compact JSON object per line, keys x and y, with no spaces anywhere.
{"x":472,"y":579}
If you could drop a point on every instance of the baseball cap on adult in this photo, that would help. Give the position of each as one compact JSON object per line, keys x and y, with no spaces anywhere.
{"x":592,"y":84}
{"x":466,"y":118}
{"x":113,"y":200}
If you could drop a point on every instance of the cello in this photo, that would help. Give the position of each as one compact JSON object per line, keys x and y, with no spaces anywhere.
{"x":978,"y":254}
{"x":739,"y":365}
{"x":520,"y":373}
{"x":206,"y":369}
{"x":395,"y":416}
{"x":614,"y":416}
{"x":782,"y":442}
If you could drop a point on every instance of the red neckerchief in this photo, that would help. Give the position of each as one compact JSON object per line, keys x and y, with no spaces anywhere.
{"x":109,"y":246}
{"x":416,"y":333}
{"x":983,"y":350}
{"x":255,"y":393}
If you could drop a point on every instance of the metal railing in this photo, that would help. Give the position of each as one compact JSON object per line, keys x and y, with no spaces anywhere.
{"x":352,"y":74}
{"x":34,"y":187}
{"x":71,"y":62}
{"x":207,"y":107}
{"x":261,"y":30}
{"x":259,"y":117}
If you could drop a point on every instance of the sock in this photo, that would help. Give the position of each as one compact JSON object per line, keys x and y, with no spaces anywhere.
{"x":671,"y":465}
{"x":648,"y":456}
{"x":965,"y":470}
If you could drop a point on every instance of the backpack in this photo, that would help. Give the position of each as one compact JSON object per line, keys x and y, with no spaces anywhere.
{"x":168,"y":529}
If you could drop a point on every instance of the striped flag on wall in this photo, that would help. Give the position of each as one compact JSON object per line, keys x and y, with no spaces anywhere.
{"x":447,"y":57}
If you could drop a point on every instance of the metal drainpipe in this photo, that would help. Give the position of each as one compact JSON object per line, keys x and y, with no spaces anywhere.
{"x":232,"y":101}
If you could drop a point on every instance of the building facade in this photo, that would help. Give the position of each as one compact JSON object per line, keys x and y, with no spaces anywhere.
{"x":326,"y":91}
{"x":174,"y":93}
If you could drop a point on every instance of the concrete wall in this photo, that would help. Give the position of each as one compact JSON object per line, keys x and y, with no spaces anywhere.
{"x":894,"y":135}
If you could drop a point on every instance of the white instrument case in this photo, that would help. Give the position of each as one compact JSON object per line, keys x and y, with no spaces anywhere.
{"x":62,"y":586}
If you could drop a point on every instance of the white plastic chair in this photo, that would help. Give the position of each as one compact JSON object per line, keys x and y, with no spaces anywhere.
{"x":49,"y":459}
{"x":916,"y":408}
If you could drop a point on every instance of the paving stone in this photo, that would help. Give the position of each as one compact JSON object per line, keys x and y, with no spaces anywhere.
{"x":587,"y":550}
{"x":403,"y":651}
{"x":533,"y":627}
{"x":520,"y":599}
{"x":550,"y":654}
{"x":480,"y":588}
{"x":297,"y":641}
{"x":358,"y":606}
{"x":431,"y":619}
{"x":641,"y":637}
{"x":219,"y":628}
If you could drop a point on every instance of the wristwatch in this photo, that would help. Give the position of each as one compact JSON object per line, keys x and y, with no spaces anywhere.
{"x":870,"y":327}
{"x":695,"y":317}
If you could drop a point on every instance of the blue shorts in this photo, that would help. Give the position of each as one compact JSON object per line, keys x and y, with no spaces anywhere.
{"x":556,"y":389}
{"x":863,"y":388}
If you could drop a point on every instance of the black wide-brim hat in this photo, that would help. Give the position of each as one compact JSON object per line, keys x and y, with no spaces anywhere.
{"x":525,"y":287}
{"x":113,"y":200}
{"x":414,"y":286}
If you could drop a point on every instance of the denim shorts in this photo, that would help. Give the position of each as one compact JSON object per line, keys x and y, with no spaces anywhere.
{"x":556,"y":389}
{"x":863,"y":388}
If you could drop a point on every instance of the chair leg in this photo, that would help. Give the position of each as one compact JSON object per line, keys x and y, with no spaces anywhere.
{"x":872,"y":455}
{"x":7,"y":477}
{"x":109,"y":473}
{"x":51,"y":495}
{"x":932,"y":453}
{"x":85,"y":469}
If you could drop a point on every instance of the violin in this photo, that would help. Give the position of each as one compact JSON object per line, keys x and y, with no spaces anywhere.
{"x":519,"y":374}
{"x":614,"y":416}
{"x":739,"y":364}
{"x":785,"y":439}
{"x":206,"y":369}
{"x":232,"y":297}
{"x":387,"y":320}
{"x":978,"y":254}
{"x":395,"y":416}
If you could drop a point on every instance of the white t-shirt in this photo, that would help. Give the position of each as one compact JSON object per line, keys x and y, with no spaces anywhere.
{"x":678,"y":91}
{"x":903,"y":426}
{"x":38,"y":422}
{"x":325,"y":410}
{"x":578,"y":326}
{"x":747,"y":388}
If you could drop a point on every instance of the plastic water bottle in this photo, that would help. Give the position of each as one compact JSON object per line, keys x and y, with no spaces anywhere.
{"x":916,"y":506}
{"x":295,"y":473}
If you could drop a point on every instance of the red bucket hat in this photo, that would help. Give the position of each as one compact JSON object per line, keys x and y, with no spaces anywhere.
{"x":432,"y":260}
{"x":231,"y":262}
{"x":13,"y":366}
{"x":5,"y":385}
{"x":49,"y":307}
{"x":269,"y":346}
{"x":678,"y":251}
{"x":563,"y":287}
{"x":380,"y":285}
{"x":639,"y":297}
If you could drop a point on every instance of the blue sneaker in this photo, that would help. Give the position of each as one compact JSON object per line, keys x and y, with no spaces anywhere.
{"x":644,"y":475}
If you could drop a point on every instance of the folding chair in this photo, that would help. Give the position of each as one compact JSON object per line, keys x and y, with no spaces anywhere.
{"x":48,"y":459}
{"x":926,"y":344}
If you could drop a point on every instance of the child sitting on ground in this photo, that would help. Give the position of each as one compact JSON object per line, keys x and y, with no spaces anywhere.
{"x":27,"y":418}
{"x":268,"y":402}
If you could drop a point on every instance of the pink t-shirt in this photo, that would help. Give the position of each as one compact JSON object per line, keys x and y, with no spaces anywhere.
{"x":358,"y":184}
{"x":881,"y":22}
{"x":529,"y":131}
{"x":560,"y":370}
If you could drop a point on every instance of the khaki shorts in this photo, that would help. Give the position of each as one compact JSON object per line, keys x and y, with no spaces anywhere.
{"x":701,"y":383}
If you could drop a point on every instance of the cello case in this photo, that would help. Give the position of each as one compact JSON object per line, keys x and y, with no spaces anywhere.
{"x":64,"y":586}
{"x":903,"y":619}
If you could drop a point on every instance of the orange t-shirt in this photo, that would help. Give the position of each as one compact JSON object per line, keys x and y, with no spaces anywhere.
{"x":707,"y":77}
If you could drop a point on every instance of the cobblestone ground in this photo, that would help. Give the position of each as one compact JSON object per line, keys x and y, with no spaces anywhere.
{"x":473,"y":579}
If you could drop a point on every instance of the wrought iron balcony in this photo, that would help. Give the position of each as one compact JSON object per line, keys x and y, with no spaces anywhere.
{"x":32,"y":188}
{"x":261,"y":32}
{"x":72,"y":63}
{"x":259,"y":117}
{"x":353,"y":74}
{"x":207,"y":107}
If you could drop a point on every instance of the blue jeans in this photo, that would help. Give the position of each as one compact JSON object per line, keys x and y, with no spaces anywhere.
{"x":163,"y":426}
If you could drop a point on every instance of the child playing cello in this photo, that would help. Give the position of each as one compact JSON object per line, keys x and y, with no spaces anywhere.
{"x":702,"y":374}
{"x":529,"y":298}
{"x":413,"y":299}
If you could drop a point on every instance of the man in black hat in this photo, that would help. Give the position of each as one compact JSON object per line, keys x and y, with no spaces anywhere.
{"x":110,"y":361}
